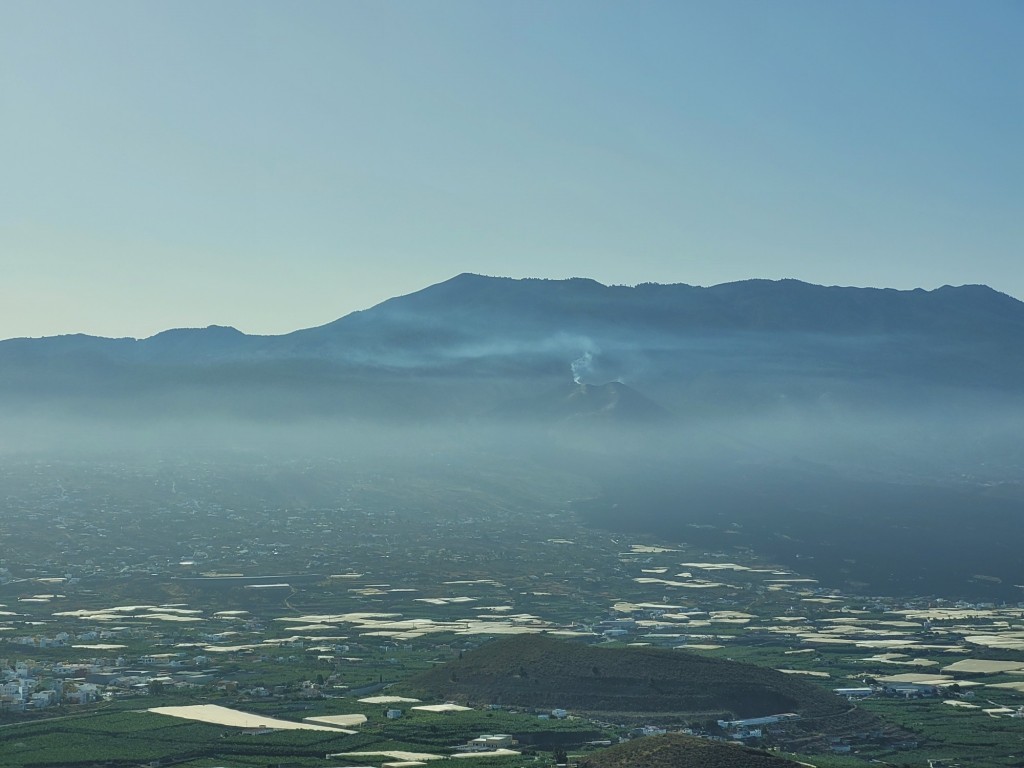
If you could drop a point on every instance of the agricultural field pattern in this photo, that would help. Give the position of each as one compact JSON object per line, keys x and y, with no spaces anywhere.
{"x":189,"y":611}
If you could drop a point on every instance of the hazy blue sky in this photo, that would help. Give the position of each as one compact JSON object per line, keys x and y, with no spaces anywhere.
{"x":276,"y":165}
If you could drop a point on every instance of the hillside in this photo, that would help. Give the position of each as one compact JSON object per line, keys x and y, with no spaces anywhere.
{"x":543,"y":672}
{"x":678,"y":751}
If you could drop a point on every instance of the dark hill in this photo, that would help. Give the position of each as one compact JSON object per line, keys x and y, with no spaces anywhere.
{"x":543,"y":672}
{"x":678,"y":751}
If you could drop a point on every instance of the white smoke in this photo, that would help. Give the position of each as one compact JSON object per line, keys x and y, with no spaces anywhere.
{"x":581,"y":366}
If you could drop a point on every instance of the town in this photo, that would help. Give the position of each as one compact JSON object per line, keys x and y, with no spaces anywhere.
{"x":284,"y":612}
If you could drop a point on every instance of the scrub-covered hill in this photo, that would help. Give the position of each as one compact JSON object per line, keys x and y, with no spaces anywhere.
{"x":677,"y":751}
{"x":543,"y":672}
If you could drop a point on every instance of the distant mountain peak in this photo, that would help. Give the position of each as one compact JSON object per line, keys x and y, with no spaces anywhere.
{"x":223,"y":331}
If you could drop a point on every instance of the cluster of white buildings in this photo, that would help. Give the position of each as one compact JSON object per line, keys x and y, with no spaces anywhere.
{"x":489,"y":742}
{"x":59,"y":640}
{"x":25,"y":686}
{"x":63,"y":639}
{"x":751,"y":727}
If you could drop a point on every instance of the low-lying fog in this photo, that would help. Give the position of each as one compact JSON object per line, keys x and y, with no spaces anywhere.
{"x":917,"y":498}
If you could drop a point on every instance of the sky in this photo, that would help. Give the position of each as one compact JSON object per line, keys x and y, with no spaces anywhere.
{"x":274,"y":166}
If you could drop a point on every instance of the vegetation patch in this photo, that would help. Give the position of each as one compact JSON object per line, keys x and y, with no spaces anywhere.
{"x":678,"y":751}
{"x":542,"y":672}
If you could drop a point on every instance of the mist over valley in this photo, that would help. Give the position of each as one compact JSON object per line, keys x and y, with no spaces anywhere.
{"x":865,"y":437}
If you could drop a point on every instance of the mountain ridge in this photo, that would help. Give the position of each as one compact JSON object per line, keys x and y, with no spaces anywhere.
{"x":467,"y":345}
{"x":456,"y":287}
